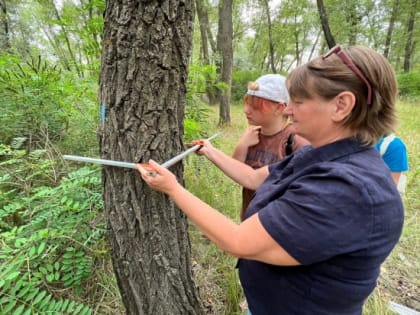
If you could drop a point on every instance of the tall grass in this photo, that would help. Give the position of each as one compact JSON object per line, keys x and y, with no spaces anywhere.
{"x":215,"y":270}
{"x":400,"y":278}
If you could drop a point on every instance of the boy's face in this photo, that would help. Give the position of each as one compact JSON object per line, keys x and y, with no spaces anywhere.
{"x":259,"y":111}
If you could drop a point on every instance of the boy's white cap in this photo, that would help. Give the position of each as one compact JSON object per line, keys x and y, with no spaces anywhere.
{"x":271,"y":87}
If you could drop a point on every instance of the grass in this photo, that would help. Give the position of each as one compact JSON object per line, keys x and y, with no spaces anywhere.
{"x":215,"y":271}
{"x":400,"y":279}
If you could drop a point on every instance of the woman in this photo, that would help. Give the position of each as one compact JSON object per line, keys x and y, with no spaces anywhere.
{"x":323,"y":220}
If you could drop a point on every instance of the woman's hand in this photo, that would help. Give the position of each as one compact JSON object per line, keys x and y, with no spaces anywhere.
{"x":158,"y":177}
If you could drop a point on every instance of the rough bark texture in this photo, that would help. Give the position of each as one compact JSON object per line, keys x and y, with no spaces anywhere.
{"x":147,"y":45}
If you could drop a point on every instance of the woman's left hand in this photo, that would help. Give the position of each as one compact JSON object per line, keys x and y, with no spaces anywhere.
{"x":158,"y":177}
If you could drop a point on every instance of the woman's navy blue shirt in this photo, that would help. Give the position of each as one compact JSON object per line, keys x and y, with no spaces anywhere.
{"x":337,"y":211}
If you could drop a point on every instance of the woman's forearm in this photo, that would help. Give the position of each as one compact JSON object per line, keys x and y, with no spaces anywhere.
{"x":217,"y":227}
{"x":241,"y":173}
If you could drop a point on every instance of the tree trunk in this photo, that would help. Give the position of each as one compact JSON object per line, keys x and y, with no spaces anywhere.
{"x":225,"y":50}
{"x":203,"y":20}
{"x":409,"y":45}
{"x":270,"y":36}
{"x":329,"y":38}
{"x":395,"y":6}
{"x":147,"y":45}
{"x":4,"y":28}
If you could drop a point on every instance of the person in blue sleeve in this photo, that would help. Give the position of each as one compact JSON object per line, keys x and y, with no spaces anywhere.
{"x":325,"y":218}
{"x":394,"y":153}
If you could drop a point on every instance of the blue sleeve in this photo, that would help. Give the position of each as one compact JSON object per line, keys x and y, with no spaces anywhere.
{"x":396,"y":156}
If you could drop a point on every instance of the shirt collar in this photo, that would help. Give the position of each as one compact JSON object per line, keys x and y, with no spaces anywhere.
{"x":330,"y":152}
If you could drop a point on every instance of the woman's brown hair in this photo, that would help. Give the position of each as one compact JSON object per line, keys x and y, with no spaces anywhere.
{"x":326,"y":77}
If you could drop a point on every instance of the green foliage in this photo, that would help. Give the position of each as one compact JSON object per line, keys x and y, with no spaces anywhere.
{"x":240,"y":79}
{"x":31,"y":100}
{"x":83,"y":115}
{"x":21,"y":171}
{"x":50,"y":237}
{"x":86,"y":24}
{"x":200,"y":80}
{"x":409,"y":84}
{"x":42,"y":104}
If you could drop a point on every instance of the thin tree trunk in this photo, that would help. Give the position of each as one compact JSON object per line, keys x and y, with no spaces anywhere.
{"x":270,"y":36}
{"x":4,"y":28}
{"x":329,"y":38}
{"x":203,"y":21}
{"x":391,"y":25}
{"x":409,"y":45}
{"x":147,"y":46}
{"x":225,"y":49}
{"x":297,"y":42}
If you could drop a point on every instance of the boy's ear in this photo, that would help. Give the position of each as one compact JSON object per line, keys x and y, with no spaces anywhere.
{"x":279,"y":109}
{"x":344,"y":104}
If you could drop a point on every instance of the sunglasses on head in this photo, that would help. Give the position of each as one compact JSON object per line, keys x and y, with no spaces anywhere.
{"x":349,"y":62}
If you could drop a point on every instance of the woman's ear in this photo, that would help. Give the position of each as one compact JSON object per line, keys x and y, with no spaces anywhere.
{"x":344,"y":104}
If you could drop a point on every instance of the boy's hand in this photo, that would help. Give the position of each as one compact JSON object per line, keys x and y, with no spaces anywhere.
{"x":250,"y":137}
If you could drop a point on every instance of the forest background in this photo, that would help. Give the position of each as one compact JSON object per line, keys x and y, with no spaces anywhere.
{"x":54,"y":254}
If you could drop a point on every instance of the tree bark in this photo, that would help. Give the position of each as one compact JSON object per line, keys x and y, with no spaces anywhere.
{"x":270,"y":36}
{"x":395,"y":6}
{"x":203,"y":20}
{"x":146,"y":49}
{"x":329,"y":38}
{"x":225,"y":50}
{"x":4,"y":28}
{"x":409,"y":45}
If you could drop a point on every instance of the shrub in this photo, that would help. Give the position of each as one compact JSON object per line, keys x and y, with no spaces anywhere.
{"x":240,"y":79}
{"x":409,"y":84}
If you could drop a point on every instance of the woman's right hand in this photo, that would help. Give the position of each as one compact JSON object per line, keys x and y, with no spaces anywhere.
{"x":158,"y":177}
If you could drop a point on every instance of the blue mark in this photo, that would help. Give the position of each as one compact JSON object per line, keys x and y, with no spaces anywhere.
{"x":102,"y":113}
